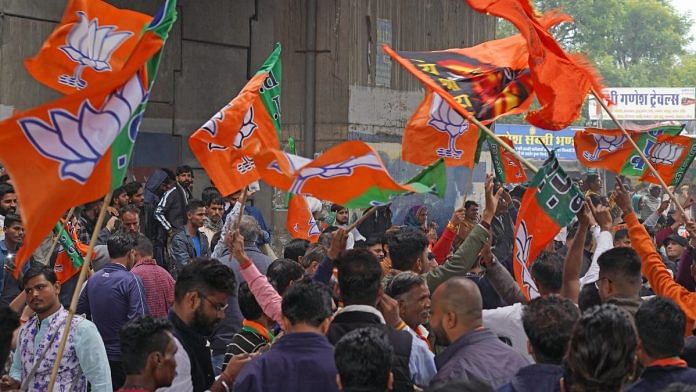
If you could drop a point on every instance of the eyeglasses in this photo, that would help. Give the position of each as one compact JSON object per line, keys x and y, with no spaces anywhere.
{"x":596,"y":283}
{"x":217,"y":307}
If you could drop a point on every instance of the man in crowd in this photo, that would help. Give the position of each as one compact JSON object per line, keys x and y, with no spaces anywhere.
{"x":87,"y":220}
{"x":342,"y":221}
{"x":593,"y":183}
{"x":157,"y":282}
{"x":127,"y":221}
{"x":303,"y":360}
{"x":212,"y":223}
{"x":621,"y":239}
{"x":503,"y":225}
{"x":620,"y":279}
{"x":136,"y":194}
{"x":295,"y":249}
{"x":8,"y":204}
{"x":650,"y":202}
{"x":14,"y":235}
{"x":413,"y":297}
{"x":171,"y":209}
{"x":84,"y":359}
{"x":473,"y":351}
{"x":256,"y":330}
{"x":119,"y":199}
{"x":359,"y":277}
{"x":364,"y":360}
{"x":148,"y":350}
{"x":200,"y":299}
{"x":374,"y":245}
{"x":548,"y":322}
{"x":159,"y":183}
{"x":189,"y":242}
{"x":112,"y":297}
{"x":471,"y":218}
{"x":660,"y":325}
{"x":184,"y":177}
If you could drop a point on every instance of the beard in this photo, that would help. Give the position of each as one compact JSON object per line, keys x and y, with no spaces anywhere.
{"x":201,"y":323}
{"x":440,"y":336}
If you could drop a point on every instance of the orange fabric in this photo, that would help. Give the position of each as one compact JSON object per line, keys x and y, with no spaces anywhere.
{"x":33,"y":172}
{"x":658,"y":276}
{"x":437,"y":131}
{"x":561,"y":81}
{"x":344,"y":173}
{"x":514,"y":171}
{"x":301,"y":223}
{"x":673,"y":361}
{"x":226,"y":156}
{"x":90,"y":27}
{"x":64,"y":267}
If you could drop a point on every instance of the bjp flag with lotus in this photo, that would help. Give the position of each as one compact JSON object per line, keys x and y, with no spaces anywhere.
{"x":301,"y":223}
{"x":76,"y":149}
{"x":92,"y":42}
{"x":507,"y":168}
{"x":226,"y":144}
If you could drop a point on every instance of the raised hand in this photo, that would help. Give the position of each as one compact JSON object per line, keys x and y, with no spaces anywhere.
{"x":602,"y":215}
{"x":585,"y":215}
{"x":457,"y":217}
{"x":235,"y":243}
{"x":623,"y":199}
{"x":491,"y":199}
{"x":339,"y":238}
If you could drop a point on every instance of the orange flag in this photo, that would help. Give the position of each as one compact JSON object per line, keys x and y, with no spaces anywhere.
{"x":350,"y":174}
{"x":508,"y":169}
{"x":92,"y":41}
{"x":301,"y":223}
{"x":226,"y":144}
{"x":437,"y":131}
{"x":561,"y":81}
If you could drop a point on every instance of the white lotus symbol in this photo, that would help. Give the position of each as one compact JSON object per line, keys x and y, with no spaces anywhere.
{"x":247,"y":129}
{"x":445,"y":119}
{"x":77,"y":141}
{"x":339,"y":169}
{"x":604,"y":143}
{"x":666,"y":153}
{"x":523,"y":244}
{"x":90,"y":46}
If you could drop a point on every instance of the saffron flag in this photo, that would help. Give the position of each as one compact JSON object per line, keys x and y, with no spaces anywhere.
{"x":301,"y":223}
{"x":79,"y":146}
{"x":508,"y":169}
{"x":549,"y":204}
{"x":226,"y":144}
{"x":669,"y":152}
{"x":71,"y":253}
{"x":350,"y":174}
{"x":560,"y":80}
{"x":92,"y":41}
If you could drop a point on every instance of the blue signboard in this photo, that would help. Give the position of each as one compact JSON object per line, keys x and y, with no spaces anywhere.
{"x":528,"y":141}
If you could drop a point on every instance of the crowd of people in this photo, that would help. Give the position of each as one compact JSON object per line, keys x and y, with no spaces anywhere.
{"x":180,"y":298}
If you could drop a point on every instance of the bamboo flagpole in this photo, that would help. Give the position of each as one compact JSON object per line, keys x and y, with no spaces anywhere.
{"x":56,"y":238}
{"x":362,"y":219}
{"x":640,"y":152}
{"x":78,"y":286}
{"x":242,"y":202}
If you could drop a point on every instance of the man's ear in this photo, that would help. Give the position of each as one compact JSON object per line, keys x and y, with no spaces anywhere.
{"x":324,"y":326}
{"x":57,"y":286}
{"x":450,"y":320}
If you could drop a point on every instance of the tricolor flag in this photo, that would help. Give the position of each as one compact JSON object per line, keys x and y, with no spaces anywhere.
{"x":78,"y":146}
{"x":508,"y":169}
{"x":226,"y":144}
{"x":71,"y":253}
{"x":301,"y":223}
{"x":549,"y":204}
{"x":350,"y":174}
{"x":92,"y":42}
{"x":669,"y":152}
{"x":560,"y":80}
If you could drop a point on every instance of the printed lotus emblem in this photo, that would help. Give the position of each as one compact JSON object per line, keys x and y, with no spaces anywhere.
{"x":78,"y":140}
{"x":524,"y":243}
{"x":445,"y":119}
{"x":247,"y":129}
{"x":604,"y":143}
{"x":90,"y":46}
{"x":666,"y":153}
{"x":339,"y":169}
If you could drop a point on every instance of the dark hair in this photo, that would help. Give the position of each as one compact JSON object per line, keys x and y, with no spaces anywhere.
{"x":315,"y":252}
{"x":11,"y":219}
{"x":129,"y":209}
{"x":205,"y":275}
{"x":183,"y":169}
{"x":620,"y":234}
{"x":359,"y":275}
{"x":37,"y":269}
{"x":193,"y":205}
{"x":548,"y":323}
{"x":337,"y":207}
{"x":602,"y":350}
{"x":215,"y":199}
{"x":4,"y":178}
{"x":120,"y":243}
{"x":406,"y":247}
{"x":283,"y":271}
{"x":250,"y":308}
{"x":307,"y":302}
{"x":660,"y":324}
{"x":117,"y":192}
{"x":210,"y":193}
{"x":170,"y":176}
{"x":470,"y":203}
{"x":139,"y":338}
{"x":295,"y":248}
{"x":6,"y":188}
{"x":623,"y":262}
{"x":373,"y":240}
{"x":590,"y":178}
{"x":473,"y":385}
{"x":132,"y":188}
{"x":547,"y":271}
{"x":9,"y":321}
{"x":589,"y":297}
{"x":403,"y":283}
{"x":364,"y":359}
{"x":143,"y":245}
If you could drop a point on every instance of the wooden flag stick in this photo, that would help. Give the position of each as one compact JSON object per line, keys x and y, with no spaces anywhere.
{"x":361,"y":219}
{"x":78,"y":287}
{"x":57,"y":238}
{"x":242,"y":201}
{"x":640,"y":152}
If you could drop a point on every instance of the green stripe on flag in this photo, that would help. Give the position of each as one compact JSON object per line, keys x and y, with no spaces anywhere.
{"x":68,"y":245}
{"x":270,"y":92}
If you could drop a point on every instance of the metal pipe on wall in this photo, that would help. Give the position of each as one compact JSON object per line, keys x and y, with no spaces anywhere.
{"x":309,"y":135}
